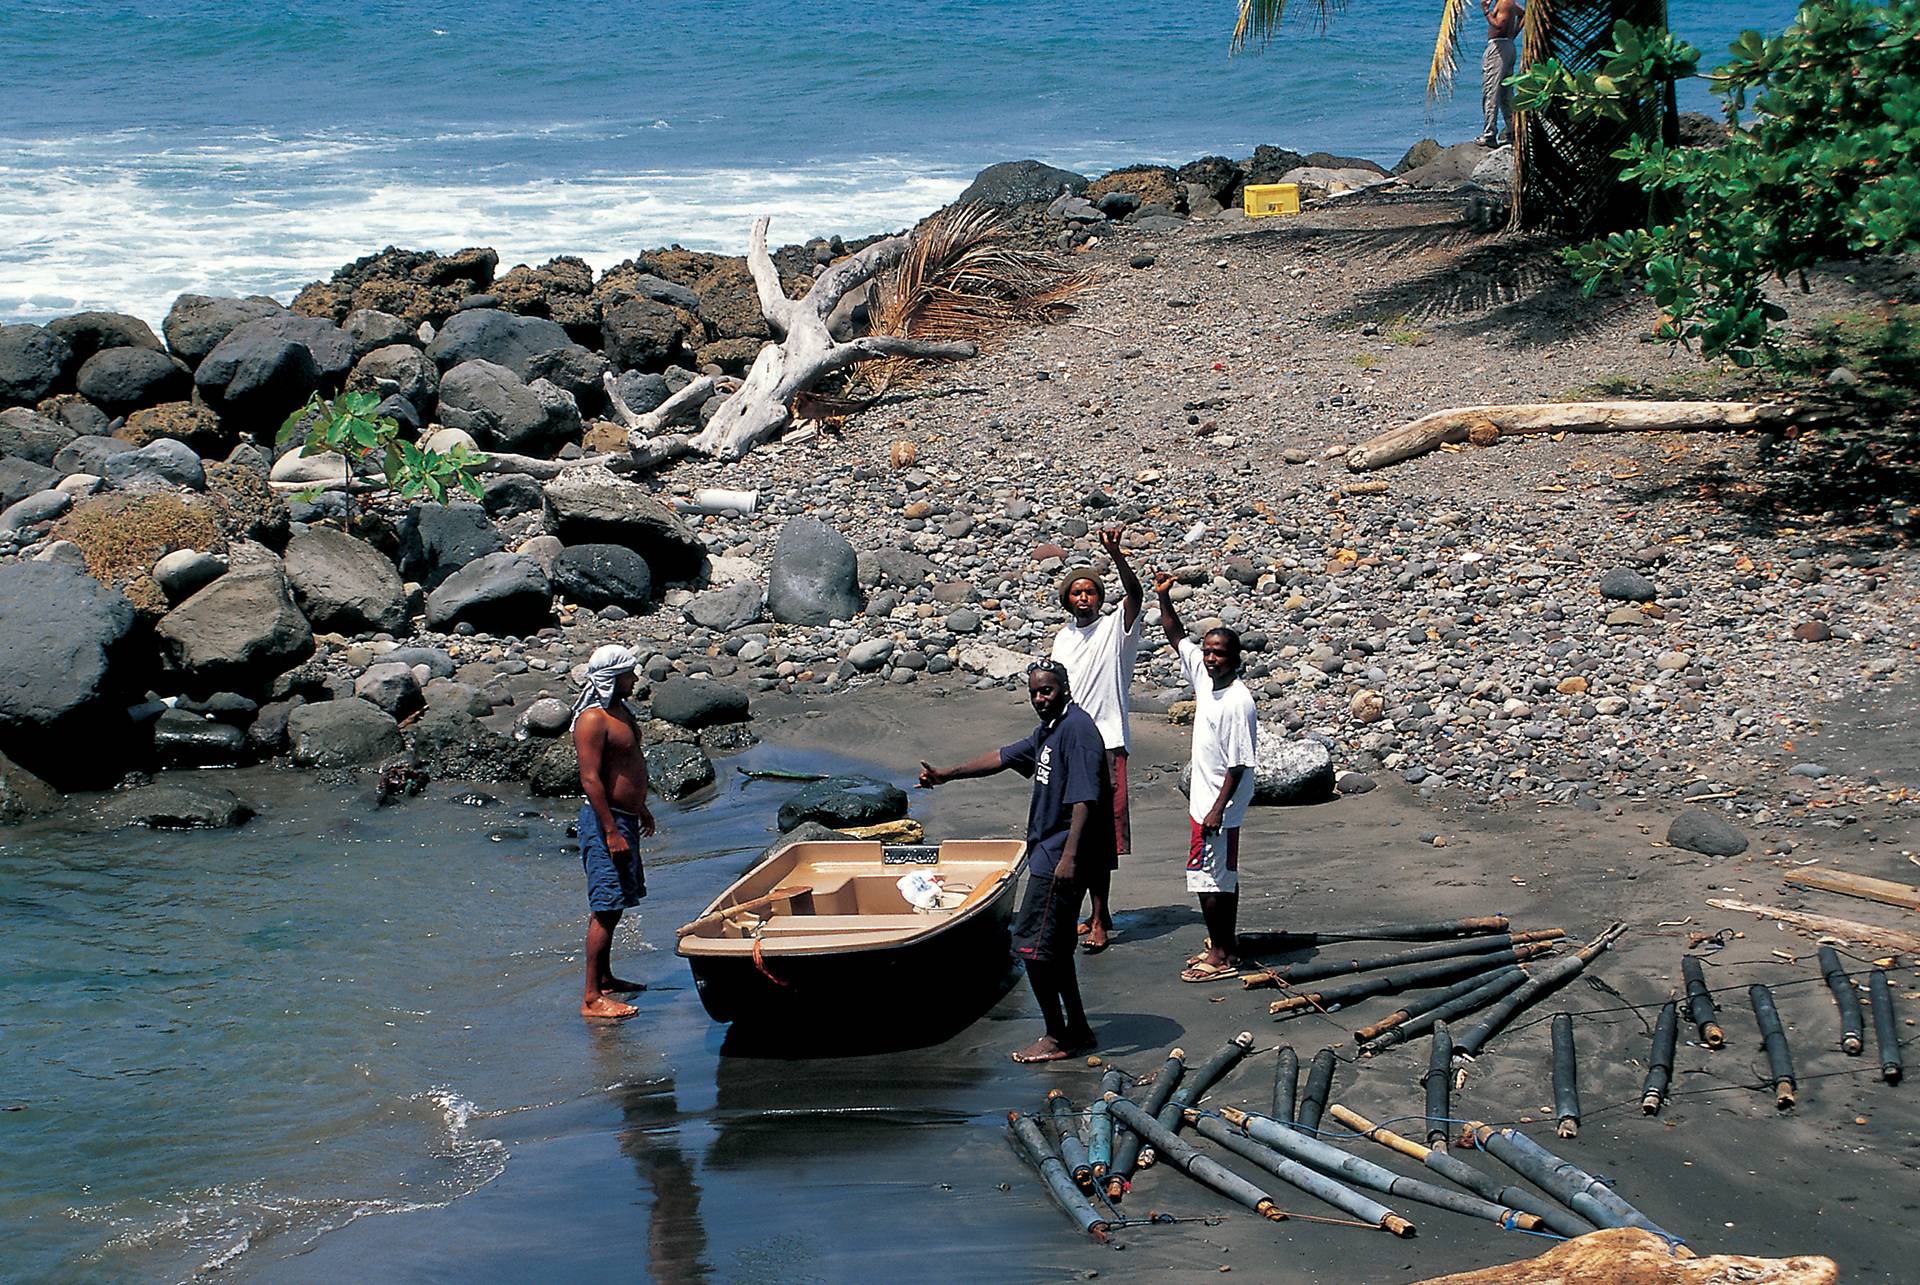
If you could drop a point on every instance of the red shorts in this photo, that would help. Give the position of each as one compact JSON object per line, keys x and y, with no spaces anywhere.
{"x":1213,"y":860}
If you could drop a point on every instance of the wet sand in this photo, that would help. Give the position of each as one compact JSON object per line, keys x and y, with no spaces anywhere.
{"x":691,"y":1163}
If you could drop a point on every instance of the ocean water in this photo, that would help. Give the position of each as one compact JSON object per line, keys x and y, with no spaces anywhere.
{"x":150,"y":147}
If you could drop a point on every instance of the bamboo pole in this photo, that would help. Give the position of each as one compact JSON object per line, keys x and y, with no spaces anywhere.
{"x":1533,"y":1211}
{"x":1259,"y":941}
{"x":1474,"y":1038}
{"x":1660,"y":1063}
{"x":1566,"y":1078}
{"x":1844,"y":995}
{"x":1700,"y":1010}
{"x":1413,"y":977}
{"x":1073,"y":1151}
{"x":1100,"y":1125}
{"x":1313,"y":1100}
{"x":1426,"y":1004}
{"x":1437,"y":1079}
{"x":1880,"y":995}
{"x":1315,"y":969}
{"x":1850,"y":929}
{"x":1492,"y":987}
{"x":1033,"y":1144}
{"x":1573,"y":1186}
{"x":1774,"y":1038}
{"x":1127,"y":1143}
{"x":1308,"y":1178}
{"x":1286,"y":1083}
{"x":1182,"y":1156}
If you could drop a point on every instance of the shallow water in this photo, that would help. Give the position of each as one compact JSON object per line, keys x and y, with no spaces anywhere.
{"x":157,"y":147}
{"x":215,"y":1049}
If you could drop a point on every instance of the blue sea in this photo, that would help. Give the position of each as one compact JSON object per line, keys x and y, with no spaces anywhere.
{"x":222,"y":146}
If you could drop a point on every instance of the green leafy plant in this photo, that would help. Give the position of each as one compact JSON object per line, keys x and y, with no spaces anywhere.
{"x":346,"y":426}
{"x":1828,"y":167}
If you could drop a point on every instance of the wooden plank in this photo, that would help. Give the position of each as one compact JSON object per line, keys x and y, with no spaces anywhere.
{"x":1849,"y":929}
{"x":1885,"y":891}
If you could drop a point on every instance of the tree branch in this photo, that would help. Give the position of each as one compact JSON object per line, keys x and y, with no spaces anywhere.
{"x":832,"y":285}
{"x":774,"y":304}
{"x":869,"y":347}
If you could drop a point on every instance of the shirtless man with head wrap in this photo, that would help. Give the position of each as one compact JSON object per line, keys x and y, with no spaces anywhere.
{"x":613,"y":776}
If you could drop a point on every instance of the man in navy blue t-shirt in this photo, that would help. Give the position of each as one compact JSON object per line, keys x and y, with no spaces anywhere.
{"x":1069,"y":834}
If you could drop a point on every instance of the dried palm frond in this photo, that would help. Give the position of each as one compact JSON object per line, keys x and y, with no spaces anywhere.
{"x":965,"y":279}
{"x":1260,"y":19}
{"x":1446,"y":48}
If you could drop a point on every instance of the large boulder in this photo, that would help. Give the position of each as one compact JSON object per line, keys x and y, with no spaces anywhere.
{"x":698,"y":702}
{"x":164,"y":464}
{"x":170,"y":804}
{"x":560,"y":289}
{"x":24,"y":795}
{"x":676,"y":769}
{"x":841,"y":801}
{"x":25,"y":435}
{"x":436,"y":540}
{"x":183,"y":421}
{"x":20,"y":478}
{"x":1270,"y":163}
{"x":727,"y":608}
{"x":120,"y":380}
{"x":369,"y":329}
{"x":414,"y":285}
{"x":1150,"y":184}
{"x":63,"y":688}
{"x":503,"y":593}
{"x":256,"y":377}
{"x":489,"y":401}
{"x":642,"y":334}
{"x":87,"y":333}
{"x":1020,"y":183}
{"x":89,"y":454}
{"x":342,"y":733}
{"x":592,"y":506}
{"x":185,"y":739}
{"x":554,"y":770}
{"x":503,"y":338}
{"x":454,"y":745}
{"x":600,"y":575}
{"x":1290,"y":771}
{"x":238,"y":632}
{"x":576,"y":371}
{"x":1698,"y":830}
{"x":34,"y":362}
{"x":814,"y":576}
{"x":44,"y":506}
{"x":197,"y":323}
{"x":1216,"y":175}
{"x":397,"y":369}
{"x":392,"y":686}
{"x":344,"y":585}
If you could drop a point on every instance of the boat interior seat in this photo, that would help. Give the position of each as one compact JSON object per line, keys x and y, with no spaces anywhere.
{"x":796,"y":925}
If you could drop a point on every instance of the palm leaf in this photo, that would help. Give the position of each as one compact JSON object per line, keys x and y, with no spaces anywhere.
{"x":1259,"y":20}
{"x":1446,"y":48}
{"x":965,"y":279}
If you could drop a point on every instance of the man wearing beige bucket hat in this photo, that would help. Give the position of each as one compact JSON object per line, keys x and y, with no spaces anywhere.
{"x":1098,"y":651}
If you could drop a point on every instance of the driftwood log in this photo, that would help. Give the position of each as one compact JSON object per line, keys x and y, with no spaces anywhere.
{"x":1894,"y":939}
{"x":1485,"y":425}
{"x":806,"y":352}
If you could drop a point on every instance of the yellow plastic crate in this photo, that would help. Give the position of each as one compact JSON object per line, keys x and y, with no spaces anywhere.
{"x":1263,"y":200}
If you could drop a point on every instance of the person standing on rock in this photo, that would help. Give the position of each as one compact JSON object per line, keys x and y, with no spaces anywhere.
{"x":1069,"y":833}
{"x":1099,"y":650}
{"x":1496,"y":96}
{"x":613,"y":776}
{"x":1225,"y":726}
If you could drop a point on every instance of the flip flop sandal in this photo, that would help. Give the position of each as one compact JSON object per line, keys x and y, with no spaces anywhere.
{"x":1205,"y":972}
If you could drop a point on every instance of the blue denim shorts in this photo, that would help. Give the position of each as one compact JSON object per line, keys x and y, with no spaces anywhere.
{"x":611,"y":884}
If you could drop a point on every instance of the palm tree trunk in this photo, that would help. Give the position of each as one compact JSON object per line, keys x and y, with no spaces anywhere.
{"x":1565,"y":178}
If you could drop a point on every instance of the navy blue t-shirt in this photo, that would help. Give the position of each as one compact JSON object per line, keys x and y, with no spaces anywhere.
{"x":1068,"y":763}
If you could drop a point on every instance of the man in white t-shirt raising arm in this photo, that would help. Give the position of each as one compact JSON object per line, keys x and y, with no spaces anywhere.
{"x":1224,"y":728}
{"x":1098,"y":651}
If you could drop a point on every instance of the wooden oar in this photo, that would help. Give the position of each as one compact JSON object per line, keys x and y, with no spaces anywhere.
{"x":727,"y":912}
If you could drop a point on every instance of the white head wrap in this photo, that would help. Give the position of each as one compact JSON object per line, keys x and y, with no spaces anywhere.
{"x":604,"y":668}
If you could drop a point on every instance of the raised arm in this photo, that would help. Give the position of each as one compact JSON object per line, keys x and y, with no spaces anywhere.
{"x":1169,"y":618}
{"x":1129,"y":582}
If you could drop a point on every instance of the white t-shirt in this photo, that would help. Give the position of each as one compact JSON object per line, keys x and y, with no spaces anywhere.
{"x":1225,"y":726}
{"x":1099,"y":661}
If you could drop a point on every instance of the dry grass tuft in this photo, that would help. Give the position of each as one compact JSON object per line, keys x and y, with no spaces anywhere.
{"x":122,"y":536}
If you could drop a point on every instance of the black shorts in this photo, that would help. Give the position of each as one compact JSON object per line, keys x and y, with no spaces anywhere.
{"x":1044,"y":926}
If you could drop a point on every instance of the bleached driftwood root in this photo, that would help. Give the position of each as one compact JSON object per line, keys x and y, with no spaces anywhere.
{"x":1484,"y":425}
{"x":805,"y":352}
{"x":641,"y":427}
